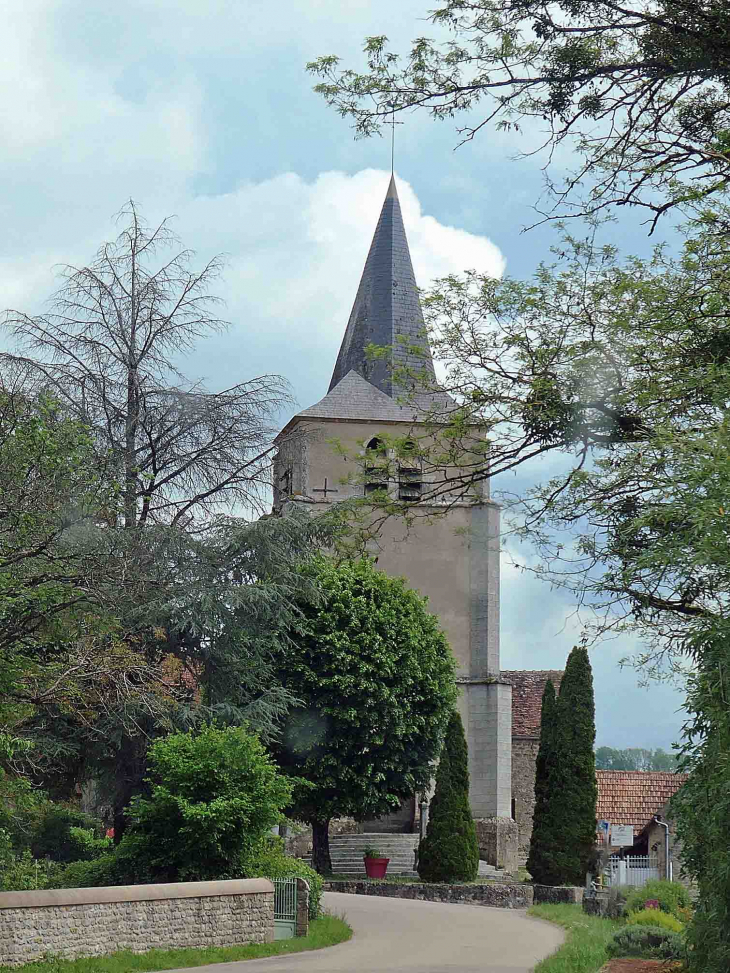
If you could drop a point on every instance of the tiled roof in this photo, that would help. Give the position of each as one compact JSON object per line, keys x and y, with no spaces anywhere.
{"x":527,"y":689}
{"x":634,"y":796}
{"x":387,"y":310}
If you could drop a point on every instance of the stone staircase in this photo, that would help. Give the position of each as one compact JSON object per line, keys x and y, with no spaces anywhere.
{"x":346,"y":852}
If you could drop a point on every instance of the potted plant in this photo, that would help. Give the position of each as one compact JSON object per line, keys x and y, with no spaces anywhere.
{"x":375,"y":865}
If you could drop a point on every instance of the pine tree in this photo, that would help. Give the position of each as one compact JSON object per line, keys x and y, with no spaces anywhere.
{"x":575,"y":794}
{"x":540,"y":863}
{"x":450,"y":852}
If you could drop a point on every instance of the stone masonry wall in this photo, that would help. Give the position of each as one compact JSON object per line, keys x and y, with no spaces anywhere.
{"x":493,"y":894}
{"x":93,"y":922}
{"x":524,"y":757}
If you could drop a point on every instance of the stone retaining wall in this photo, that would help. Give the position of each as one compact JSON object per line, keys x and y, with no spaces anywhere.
{"x":499,"y":896}
{"x":559,"y":893}
{"x":92,"y":922}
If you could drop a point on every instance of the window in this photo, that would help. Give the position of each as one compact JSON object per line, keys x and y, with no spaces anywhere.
{"x":376,"y":477}
{"x":410,"y":475}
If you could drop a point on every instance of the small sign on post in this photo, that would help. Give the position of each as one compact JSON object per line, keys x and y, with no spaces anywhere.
{"x":622,"y":835}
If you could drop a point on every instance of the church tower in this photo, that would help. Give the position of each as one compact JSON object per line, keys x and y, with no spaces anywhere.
{"x":452,"y":558}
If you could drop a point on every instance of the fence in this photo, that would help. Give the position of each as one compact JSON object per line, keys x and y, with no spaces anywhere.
{"x":285,"y":908}
{"x":635,"y":870}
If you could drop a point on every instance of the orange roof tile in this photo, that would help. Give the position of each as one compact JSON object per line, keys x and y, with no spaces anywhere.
{"x":527,"y":689}
{"x":634,"y":796}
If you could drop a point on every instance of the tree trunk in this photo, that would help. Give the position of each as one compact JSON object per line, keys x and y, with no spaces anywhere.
{"x":321,"y":861}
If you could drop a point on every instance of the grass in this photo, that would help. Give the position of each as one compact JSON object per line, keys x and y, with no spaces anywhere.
{"x":326,"y":931}
{"x":584,"y":950}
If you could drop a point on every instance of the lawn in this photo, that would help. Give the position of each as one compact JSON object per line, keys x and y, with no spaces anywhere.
{"x":327,"y":931}
{"x":584,"y":950}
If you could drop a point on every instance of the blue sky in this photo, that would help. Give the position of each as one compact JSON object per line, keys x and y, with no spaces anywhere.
{"x":205,"y":110}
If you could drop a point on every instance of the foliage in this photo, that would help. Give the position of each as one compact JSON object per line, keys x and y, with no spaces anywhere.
{"x":671,"y":896}
{"x":106,"y":351}
{"x":325,"y":931}
{"x":65,"y":834}
{"x":641,"y":88}
{"x":635,"y":758}
{"x":375,"y":677}
{"x":22,"y":872}
{"x":450,"y":851}
{"x":95,"y":873}
{"x":270,"y":861}
{"x":584,"y":950}
{"x":654,"y":917}
{"x":214,"y":793}
{"x":651,"y":942}
{"x":539,"y":861}
{"x":564,"y":830}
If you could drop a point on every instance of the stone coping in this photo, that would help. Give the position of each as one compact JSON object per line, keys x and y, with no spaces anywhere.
{"x":133,"y":893}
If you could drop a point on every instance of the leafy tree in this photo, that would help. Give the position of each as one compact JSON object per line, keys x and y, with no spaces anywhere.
{"x":107,"y":353}
{"x":540,"y":863}
{"x":642,"y":89}
{"x":573,"y":789}
{"x":635,"y":758}
{"x":213,"y":796}
{"x":450,"y":850}
{"x":376,"y":682}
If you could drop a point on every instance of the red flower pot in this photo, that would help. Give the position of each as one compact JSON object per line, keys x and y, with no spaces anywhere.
{"x":376,"y":867}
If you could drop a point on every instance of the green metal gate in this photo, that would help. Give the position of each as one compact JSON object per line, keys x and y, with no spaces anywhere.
{"x":285,"y":908}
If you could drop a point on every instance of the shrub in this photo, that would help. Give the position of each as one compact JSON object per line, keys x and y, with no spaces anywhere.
{"x":450,"y":852}
{"x":650,"y":942}
{"x":671,"y":897}
{"x":87,"y":874}
{"x":65,"y":834}
{"x":215,"y":793}
{"x":655,"y":917}
{"x":270,"y":861}
{"x":23,"y":873}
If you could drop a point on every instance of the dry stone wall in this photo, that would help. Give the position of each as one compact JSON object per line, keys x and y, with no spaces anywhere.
{"x":495,"y":895}
{"x":92,"y":922}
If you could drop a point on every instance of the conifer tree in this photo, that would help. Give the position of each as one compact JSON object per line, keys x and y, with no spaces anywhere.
{"x":540,"y":863}
{"x":450,"y":851}
{"x":574,"y":793}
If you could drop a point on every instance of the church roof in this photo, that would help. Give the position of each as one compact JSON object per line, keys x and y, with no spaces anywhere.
{"x":356,"y":398}
{"x":528,"y":685}
{"x":387,"y":311}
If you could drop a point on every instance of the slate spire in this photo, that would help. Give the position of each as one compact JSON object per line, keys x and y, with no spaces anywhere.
{"x":386,"y":312}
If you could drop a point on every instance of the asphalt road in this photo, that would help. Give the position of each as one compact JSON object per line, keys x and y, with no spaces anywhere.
{"x":421,"y":937}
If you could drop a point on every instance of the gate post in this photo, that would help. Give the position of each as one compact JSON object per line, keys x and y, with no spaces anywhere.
{"x":302,"y":907}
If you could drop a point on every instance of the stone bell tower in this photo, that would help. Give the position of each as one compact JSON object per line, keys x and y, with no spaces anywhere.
{"x":452,"y":558}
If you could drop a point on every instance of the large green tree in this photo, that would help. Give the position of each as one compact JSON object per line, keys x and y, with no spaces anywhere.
{"x":375,"y":677}
{"x":641,"y":89}
{"x":450,"y":850}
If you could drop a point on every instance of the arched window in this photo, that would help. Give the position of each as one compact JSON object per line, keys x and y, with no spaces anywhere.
{"x":376,"y":476}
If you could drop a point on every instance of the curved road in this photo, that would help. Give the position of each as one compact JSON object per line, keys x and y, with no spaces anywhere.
{"x":393,"y":935}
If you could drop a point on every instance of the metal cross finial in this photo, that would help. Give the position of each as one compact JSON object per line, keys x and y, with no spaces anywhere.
{"x":393,"y":123}
{"x":325,"y":489}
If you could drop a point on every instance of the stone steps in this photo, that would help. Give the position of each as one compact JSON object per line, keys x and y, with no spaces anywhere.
{"x":346,"y":852}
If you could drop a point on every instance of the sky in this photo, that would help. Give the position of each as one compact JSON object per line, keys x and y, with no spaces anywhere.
{"x":203,"y":110}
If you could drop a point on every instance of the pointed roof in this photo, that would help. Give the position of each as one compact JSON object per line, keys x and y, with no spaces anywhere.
{"x":387,"y":311}
{"x":356,"y":398}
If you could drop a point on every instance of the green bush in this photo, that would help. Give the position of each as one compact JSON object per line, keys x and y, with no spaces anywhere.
{"x":87,"y":874}
{"x":450,"y":852}
{"x":650,"y":942}
{"x":269,"y":861}
{"x":671,"y":897}
{"x":23,"y":873}
{"x":67,"y":835}
{"x":655,"y":917}
{"x":215,"y":793}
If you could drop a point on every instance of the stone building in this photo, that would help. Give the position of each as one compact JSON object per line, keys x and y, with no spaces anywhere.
{"x":452,"y":558}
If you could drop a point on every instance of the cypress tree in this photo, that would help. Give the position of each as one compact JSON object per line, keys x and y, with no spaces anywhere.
{"x":574,"y":793}
{"x":450,"y":852}
{"x":540,"y":863}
